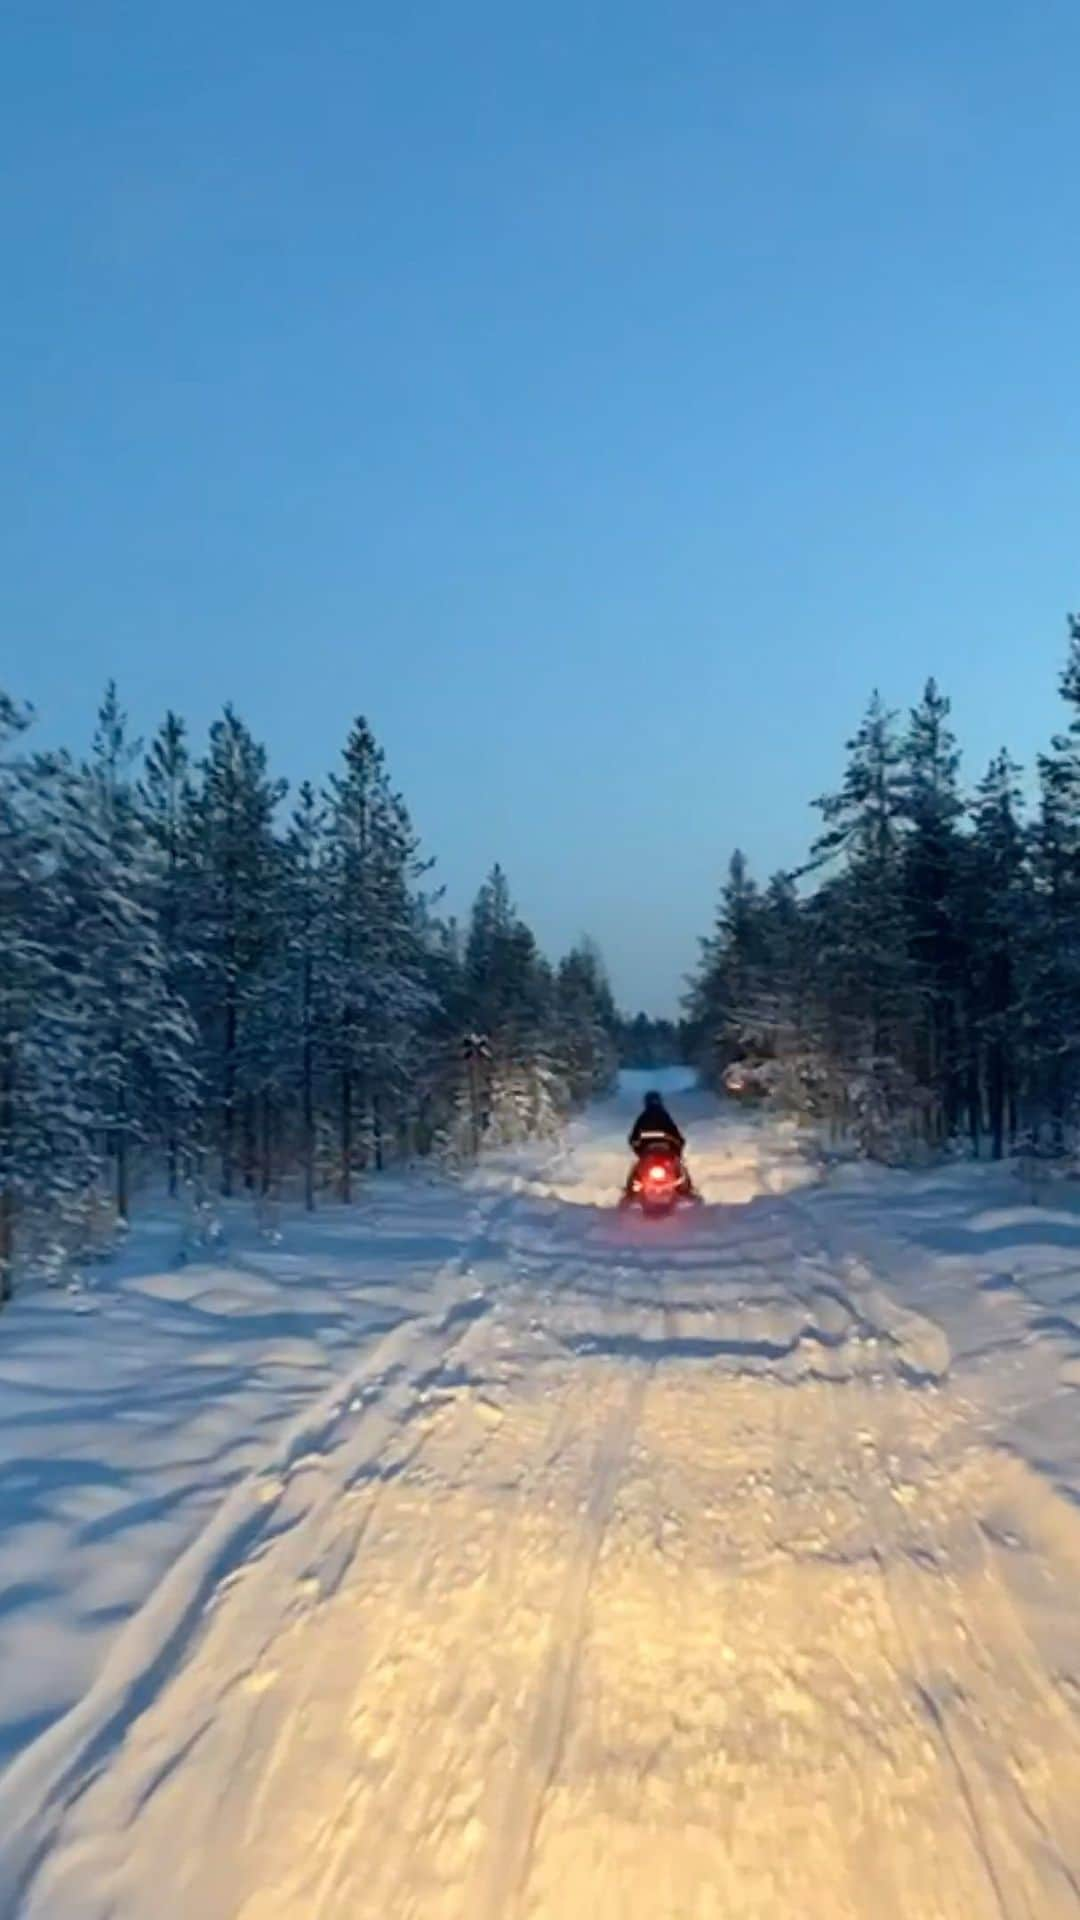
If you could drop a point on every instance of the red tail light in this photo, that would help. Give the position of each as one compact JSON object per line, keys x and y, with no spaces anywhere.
{"x":659,"y":1173}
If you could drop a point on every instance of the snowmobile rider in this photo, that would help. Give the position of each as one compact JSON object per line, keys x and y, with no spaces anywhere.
{"x":654,"y":1127}
{"x":655,"y":1124}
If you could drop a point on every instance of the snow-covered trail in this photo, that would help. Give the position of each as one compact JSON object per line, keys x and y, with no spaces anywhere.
{"x":661,"y":1569}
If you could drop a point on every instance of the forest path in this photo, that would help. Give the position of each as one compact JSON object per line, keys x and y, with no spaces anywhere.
{"x":668,"y":1570}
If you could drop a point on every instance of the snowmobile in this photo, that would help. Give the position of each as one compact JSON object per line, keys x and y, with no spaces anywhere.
{"x":659,"y":1180}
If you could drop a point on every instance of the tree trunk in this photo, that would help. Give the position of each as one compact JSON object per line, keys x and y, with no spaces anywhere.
{"x":346,"y":1136}
{"x":7,"y":1192}
{"x":171,"y":930}
{"x":308,"y":1084}
{"x":995,"y":1092}
{"x":348,"y":1024}
{"x":7,"y":1242}
{"x":974,"y":1103}
{"x":266,"y":1145}
{"x":362,"y":1118}
{"x":960,"y":1078}
{"x":1057,"y":1103}
{"x":309,"y":1145}
{"x":250,"y":1143}
{"x":474,"y":1106}
{"x":121,"y":1143}
{"x":228,"y":1105}
{"x":123,"y":1197}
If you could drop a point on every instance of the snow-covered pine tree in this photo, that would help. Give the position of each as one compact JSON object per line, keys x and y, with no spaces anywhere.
{"x":379,"y":970}
{"x":783,"y":963}
{"x":1056,"y":982}
{"x":587,"y":1022}
{"x":269,"y":1065}
{"x":1053,"y":982}
{"x":863,"y":960}
{"x":239,"y":930}
{"x":128,"y":1038}
{"x":997,"y":919}
{"x":785,"y":1031}
{"x":431,"y":1060}
{"x":139,"y":1036}
{"x":512,"y":1005}
{"x":818,"y":1059}
{"x":47,"y":1158}
{"x":446,"y":1075}
{"x":492,"y":981}
{"x":23,"y":966}
{"x":724,"y":1003}
{"x":937,"y":1053}
{"x":307,"y":949}
{"x":1053,"y":992}
{"x":166,"y":803}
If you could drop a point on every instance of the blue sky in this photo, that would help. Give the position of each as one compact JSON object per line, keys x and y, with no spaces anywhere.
{"x":602,"y":398}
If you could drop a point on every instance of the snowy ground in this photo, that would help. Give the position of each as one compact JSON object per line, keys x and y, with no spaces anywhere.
{"x":489,"y":1555}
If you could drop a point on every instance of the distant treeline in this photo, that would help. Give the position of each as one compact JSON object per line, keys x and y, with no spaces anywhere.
{"x":644,"y":1042}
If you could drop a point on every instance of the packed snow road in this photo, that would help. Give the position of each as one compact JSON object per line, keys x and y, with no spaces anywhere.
{"x":690,"y":1568}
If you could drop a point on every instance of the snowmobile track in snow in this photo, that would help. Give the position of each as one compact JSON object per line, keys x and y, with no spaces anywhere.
{"x":35,"y":1793}
{"x":516,"y":1822}
{"x":663,"y":1576}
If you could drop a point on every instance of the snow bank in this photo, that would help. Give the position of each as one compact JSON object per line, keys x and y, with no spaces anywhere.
{"x":999,"y":1277}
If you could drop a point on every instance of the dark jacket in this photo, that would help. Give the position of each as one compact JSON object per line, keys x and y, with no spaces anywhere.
{"x":655,"y":1123}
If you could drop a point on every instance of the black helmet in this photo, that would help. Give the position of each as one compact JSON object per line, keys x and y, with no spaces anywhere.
{"x":653,"y":1099}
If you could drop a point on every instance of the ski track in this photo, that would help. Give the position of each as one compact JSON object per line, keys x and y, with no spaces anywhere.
{"x":660,"y":1571}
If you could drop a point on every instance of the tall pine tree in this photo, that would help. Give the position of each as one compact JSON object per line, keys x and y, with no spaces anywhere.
{"x":379,"y":973}
{"x":997,"y":917}
{"x":238,"y":889}
{"x":939,"y":1055}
